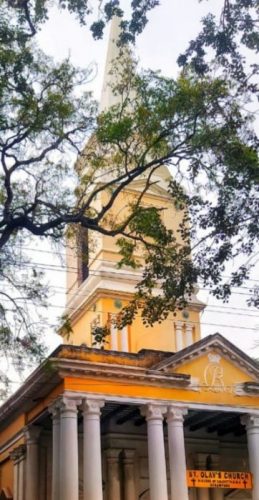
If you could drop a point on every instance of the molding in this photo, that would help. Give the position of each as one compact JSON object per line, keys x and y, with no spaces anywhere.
{"x":113,"y":371}
{"x":111,"y":282}
{"x":165,"y":402}
{"x":221,"y":345}
{"x":10,"y":442}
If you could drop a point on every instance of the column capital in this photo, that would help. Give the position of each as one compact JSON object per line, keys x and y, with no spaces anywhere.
{"x":91,"y":406}
{"x":18,"y":453}
{"x":68,"y":404}
{"x":54,"y":409}
{"x":176,"y":414}
{"x":250,"y":421}
{"x":32,"y":433}
{"x":153,"y":411}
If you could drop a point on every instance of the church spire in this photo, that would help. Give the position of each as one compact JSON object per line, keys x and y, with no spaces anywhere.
{"x":107,"y":96}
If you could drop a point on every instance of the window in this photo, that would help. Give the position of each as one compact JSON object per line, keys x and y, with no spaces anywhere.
{"x":83,"y":255}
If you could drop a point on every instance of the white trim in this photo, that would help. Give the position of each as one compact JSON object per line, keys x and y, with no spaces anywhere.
{"x":165,"y":402}
{"x":11,"y":441}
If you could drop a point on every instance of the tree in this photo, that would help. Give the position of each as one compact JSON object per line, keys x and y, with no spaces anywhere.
{"x":228,"y":44}
{"x":45,"y":116}
{"x":195,"y":124}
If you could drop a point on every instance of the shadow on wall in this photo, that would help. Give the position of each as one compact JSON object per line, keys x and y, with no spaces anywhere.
{"x":144,"y":495}
{"x":6,"y":494}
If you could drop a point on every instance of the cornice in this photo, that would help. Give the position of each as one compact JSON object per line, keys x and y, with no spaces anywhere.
{"x":133,"y":374}
{"x":219,"y":344}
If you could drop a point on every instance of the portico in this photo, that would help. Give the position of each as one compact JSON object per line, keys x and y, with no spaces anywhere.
{"x":118,"y":426}
{"x":109,"y":468}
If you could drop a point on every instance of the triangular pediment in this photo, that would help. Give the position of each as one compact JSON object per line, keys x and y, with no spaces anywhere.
{"x":160,"y":188}
{"x":216,"y":365}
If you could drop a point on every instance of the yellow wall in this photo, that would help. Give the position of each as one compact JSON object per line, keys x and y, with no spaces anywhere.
{"x":160,"y":336}
{"x":105,"y":251}
{"x":128,"y":389}
{"x":12,"y":429}
{"x":6,"y":475}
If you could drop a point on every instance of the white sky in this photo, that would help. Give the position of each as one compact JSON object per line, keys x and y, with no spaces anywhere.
{"x":170,"y":27}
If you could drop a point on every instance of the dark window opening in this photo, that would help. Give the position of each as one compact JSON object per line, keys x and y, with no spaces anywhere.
{"x":83,"y":255}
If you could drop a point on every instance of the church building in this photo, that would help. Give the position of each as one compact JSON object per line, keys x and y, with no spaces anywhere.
{"x":153,"y":414}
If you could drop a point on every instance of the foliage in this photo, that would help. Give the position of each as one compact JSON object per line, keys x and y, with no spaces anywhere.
{"x":100,"y":333}
{"x":197,"y":125}
{"x":32,"y":13}
{"x":228,"y":44}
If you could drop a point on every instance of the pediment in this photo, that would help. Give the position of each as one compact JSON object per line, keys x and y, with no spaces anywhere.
{"x":216,"y":365}
{"x":159,"y":189}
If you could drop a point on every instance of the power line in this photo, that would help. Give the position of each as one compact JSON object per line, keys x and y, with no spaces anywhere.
{"x":101,"y":260}
{"x":72,"y":309}
{"x":73,"y":270}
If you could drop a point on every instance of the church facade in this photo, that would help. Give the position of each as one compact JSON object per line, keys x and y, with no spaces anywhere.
{"x":151,"y":414}
{"x":109,"y":425}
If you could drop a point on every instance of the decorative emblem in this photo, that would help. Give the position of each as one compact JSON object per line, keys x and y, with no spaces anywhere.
{"x":214,"y":375}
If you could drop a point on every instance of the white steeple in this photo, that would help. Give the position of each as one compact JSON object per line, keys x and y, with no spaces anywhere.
{"x":109,"y":80}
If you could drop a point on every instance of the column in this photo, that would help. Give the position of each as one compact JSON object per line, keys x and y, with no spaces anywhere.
{"x":129,"y":475}
{"x":92,"y":450}
{"x":55,"y":413}
{"x":68,"y":449}
{"x":175,"y":417}
{"x":21,"y":473}
{"x":17,"y":456}
{"x":179,"y":335}
{"x":124,"y":339}
{"x":156,"y":451}
{"x":113,"y":474}
{"x":114,"y":334}
{"x":15,"y":459}
{"x":216,"y":493}
{"x":189,"y":336}
{"x":202,"y":493}
{"x":252,"y":430}
{"x":32,"y":434}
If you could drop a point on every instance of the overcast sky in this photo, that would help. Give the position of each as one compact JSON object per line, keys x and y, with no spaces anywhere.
{"x":170,"y":27}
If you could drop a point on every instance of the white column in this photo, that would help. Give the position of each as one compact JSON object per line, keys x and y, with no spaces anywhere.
{"x":14,"y":457}
{"x":68,"y":449}
{"x":114,"y":334}
{"x":92,"y":450}
{"x":179,"y":335}
{"x":55,"y":412}
{"x":175,"y":417}
{"x":18,"y":456}
{"x":156,"y":451}
{"x":189,"y":335}
{"x":129,"y":475}
{"x":32,"y":434}
{"x":21,"y":476}
{"x":113,"y":474}
{"x":252,"y":430}
{"x":124,"y":339}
